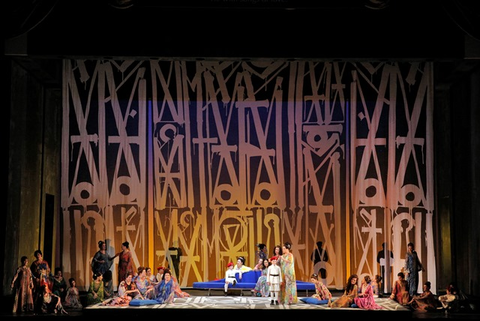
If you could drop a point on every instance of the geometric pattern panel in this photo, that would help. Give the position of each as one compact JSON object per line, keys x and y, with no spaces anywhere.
{"x":195,"y":162}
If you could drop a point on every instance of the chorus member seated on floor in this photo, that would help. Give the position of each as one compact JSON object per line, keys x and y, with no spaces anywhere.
{"x":176,"y":286}
{"x":59,"y":285}
{"x":164,"y":289}
{"x":424,"y":301}
{"x":129,"y":287}
{"x":365,"y":299}
{"x":377,"y":286}
{"x":400,"y":290}
{"x":261,"y":287}
{"x":322,"y":293}
{"x":144,"y":285}
{"x":448,"y":300}
{"x":179,"y":293}
{"x":52,"y":303}
{"x":159,"y":275}
{"x":229,"y":277}
{"x":151,"y":276}
{"x":127,"y":291}
{"x":108,"y":284}
{"x":117,"y":300}
{"x":348,"y":296}
{"x":461,"y":300}
{"x":72,"y":298}
{"x":96,"y":293}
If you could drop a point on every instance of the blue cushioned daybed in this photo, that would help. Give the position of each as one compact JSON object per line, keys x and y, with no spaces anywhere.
{"x":248,"y":282}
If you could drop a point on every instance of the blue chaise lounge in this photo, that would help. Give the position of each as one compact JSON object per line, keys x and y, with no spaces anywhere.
{"x":248,"y":282}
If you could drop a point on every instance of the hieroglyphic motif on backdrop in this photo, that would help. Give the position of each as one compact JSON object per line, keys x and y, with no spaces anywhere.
{"x":210,"y":157}
{"x":392,"y":167}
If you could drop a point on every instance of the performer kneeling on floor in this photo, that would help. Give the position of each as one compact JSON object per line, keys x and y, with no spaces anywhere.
{"x":274,"y":280}
{"x":229,"y":276}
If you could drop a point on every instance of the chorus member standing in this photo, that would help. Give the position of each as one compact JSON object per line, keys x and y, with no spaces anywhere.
{"x":288,"y":292}
{"x":37,"y":266}
{"x":101,"y":261}
{"x":274,"y":280}
{"x":262,"y":252}
{"x":412,"y":267}
{"x":22,"y":284}
{"x":125,"y":262}
{"x":44,"y":281}
{"x":259,"y":265}
{"x":277,"y":251}
{"x":348,"y":296}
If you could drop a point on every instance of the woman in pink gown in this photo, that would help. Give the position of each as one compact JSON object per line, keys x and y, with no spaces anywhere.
{"x":365,"y":299}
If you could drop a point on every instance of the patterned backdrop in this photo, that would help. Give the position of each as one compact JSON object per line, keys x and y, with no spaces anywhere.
{"x":214,"y":157}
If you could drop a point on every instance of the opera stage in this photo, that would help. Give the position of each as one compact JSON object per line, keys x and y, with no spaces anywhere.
{"x":243,"y":307}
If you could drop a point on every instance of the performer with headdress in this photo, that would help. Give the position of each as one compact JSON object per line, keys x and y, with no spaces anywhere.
{"x":229,"y":276}
{"x":274,"y":280}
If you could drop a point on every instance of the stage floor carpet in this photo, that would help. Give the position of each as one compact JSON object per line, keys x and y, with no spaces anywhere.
{"x":240,"y":303}
{"x":241,"y":307}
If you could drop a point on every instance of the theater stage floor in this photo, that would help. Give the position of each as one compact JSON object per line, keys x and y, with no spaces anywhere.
{"x":234,"y":306}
